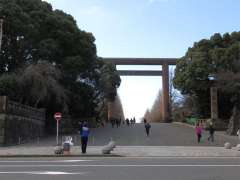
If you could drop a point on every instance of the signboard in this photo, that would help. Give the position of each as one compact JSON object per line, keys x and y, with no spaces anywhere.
{"x":58,"y":116}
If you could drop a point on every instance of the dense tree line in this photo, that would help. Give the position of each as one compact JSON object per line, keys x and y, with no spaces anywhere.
{"x":155,"y":113}
{"x":211,"y":62}
{"x":46,"y":61}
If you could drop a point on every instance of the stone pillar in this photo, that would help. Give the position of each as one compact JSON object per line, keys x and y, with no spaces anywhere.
{"x":110,"y":110}
{"x":165,"y":88}
{"x":214,"y":104}
{"x":3,"y":109}
{"x":1,"y":33}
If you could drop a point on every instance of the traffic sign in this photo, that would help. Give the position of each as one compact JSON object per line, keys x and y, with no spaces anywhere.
{"x":58,"y":116}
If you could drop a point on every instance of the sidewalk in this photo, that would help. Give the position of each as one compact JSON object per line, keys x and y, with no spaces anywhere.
{"x":125,"y":151}
{"x":26,"y":151}
{"x":176,"y":151}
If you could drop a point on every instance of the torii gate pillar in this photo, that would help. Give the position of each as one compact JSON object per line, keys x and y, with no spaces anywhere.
{"x":165,"y":88}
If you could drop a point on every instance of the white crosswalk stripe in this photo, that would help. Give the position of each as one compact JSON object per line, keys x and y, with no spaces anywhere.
{"x":43,"y":172}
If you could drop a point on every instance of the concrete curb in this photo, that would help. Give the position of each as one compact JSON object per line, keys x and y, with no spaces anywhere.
{"x":117,"y":156}
{"x":59,"y":156}
{"x":184,"y":124}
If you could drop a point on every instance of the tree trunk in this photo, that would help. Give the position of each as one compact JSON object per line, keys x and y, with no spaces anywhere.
{"x":234,"y":122}
{"x":37,"y":102}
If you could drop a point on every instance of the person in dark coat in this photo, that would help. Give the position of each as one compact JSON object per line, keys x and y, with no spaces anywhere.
{"x":113,"y":122}
{"x":211,"y":133}
{"x":147,"y":128}
{"x":134,"y":120}
{"x":131,"y":121}
{"x":127,"y":121}
{"x":118,"y":122}
{"x":84,"y":137}
{"x":80,"y":126}
{"x":144,"y":121}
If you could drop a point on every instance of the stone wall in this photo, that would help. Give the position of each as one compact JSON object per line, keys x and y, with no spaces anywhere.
{"x":19,"y":123}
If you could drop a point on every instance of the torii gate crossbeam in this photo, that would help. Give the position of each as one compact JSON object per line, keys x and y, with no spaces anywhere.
{"x":139,"y":73}
{"x":164,"y":62}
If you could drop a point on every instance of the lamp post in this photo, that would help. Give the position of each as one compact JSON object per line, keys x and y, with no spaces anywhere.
{"x":214,"y":98}
{"x":1,"y":32}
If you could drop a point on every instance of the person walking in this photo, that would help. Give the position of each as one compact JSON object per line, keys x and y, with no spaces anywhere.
{"x":123,"y":121}
{"x":118,"y":122}
{"x":144,"y":121}
{"x":112,"y":122}
{"x":238,"y":134}
{"x":211,"y":133}
{"x":131,"y":121}
{"x":127,"y":122}
{"x":84,"y":137}
{"x":134,"y":120}
{"x":80,"y":123}
{"x":198,"y":131}
{"x":147,"y":128}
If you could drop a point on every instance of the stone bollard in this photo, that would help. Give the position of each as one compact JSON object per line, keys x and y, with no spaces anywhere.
{"x":227,"y":145}
{"x":106,"y":150}
{"x":66,"y":146}
{"x":109,"y":147}
{"x":58,"y":150}
{"x":112,"y":144}
{"x":238,"y":147}
{"x":19,"y":140}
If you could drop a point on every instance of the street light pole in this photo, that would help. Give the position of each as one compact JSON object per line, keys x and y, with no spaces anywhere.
{"x":1,"y":33}
{"x":213,"y":99}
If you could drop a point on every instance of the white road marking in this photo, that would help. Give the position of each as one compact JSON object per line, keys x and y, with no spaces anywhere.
{"x":58,"y":161}
{"x":42,"y":172}
{"x":125,"y":165}
{"x":177,"y":157}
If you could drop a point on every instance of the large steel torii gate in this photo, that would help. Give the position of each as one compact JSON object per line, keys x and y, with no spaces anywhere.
{"x":164,"y":62}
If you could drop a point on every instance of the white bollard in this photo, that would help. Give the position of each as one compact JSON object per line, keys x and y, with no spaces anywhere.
{"x":106,"y":150}
{"x":112,"y":144}
{"x":58,"y":150}
{"x":238,"y":147}
{"x":93,"y":140}
{"x":228,"y":145}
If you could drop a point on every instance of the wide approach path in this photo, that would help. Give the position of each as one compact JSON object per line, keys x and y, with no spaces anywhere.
{"x":162,"y":134}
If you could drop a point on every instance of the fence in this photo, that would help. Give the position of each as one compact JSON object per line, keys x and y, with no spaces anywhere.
{"x":19,"y":123}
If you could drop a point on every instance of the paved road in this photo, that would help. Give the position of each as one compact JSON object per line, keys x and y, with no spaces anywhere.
{"x":120,"y":168}
{"x":161,"y":135}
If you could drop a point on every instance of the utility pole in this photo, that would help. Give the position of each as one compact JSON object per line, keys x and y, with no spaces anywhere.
{"x":1,"y":32}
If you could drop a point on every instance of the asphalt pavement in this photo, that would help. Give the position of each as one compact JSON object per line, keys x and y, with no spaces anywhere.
{"x":167,"y":168}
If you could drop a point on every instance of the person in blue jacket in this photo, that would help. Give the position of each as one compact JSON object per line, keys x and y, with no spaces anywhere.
{"x":84,"y":137}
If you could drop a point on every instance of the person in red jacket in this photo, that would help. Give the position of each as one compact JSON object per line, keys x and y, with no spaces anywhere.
{"x":198,"y":131}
